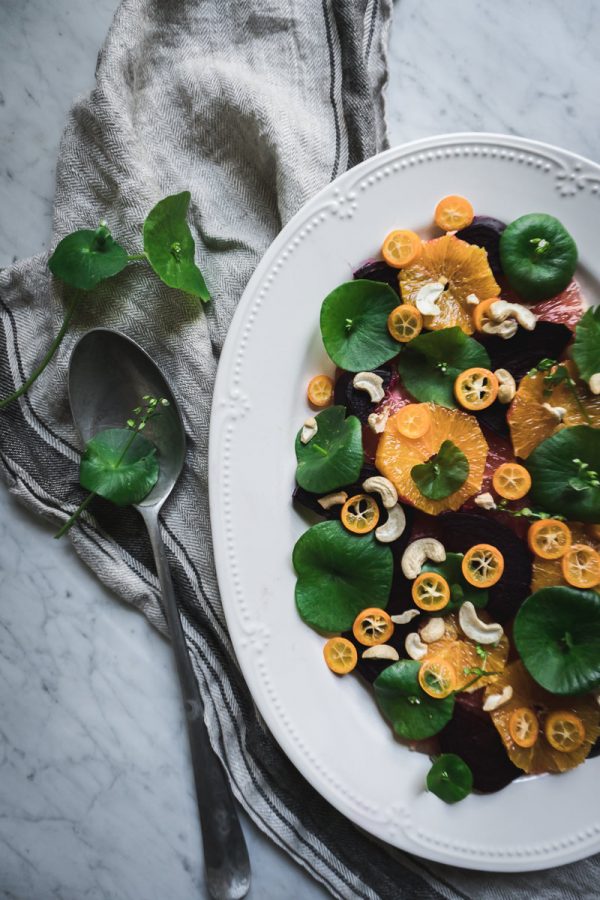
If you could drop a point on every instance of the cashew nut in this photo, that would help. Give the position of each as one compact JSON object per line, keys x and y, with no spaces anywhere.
{"x":502,"y":310}
{"x":433,"y":630}
{"x":417,"y":552}
{"x":393,"y":527}
{"x":371,"y":383}
{"x":472,"y":299}
{"x":507,"y":387}
{"x":557,"y":412}
{"x":414,"y":646}
{"x":309,"y":429}
{"x":594,"y":383}
{"x":336,"y":499}
{"x":485,"y":501}
{"x":381,"y":651}
{"x":384,"y":487}
{"x":474,"y":628}
{"x":404,"y":618}
{"x":427,"y":296}
{"x":505,"y":330}
{"x":378,"y":420}
{"x":494,"y":701}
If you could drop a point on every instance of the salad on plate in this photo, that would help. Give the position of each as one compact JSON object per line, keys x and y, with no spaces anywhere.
{"x":452,"y":456}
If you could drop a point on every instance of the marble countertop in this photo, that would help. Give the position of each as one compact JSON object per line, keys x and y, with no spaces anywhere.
{"x":86,"y":685}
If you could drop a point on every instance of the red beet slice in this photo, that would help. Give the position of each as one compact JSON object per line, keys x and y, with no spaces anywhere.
{"x":485,"y":231}
{"x":378,"y":270}
{"x":565,"y":308}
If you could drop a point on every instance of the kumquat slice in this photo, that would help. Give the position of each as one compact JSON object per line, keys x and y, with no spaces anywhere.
{"x":549,"y":538}
{"x":320,"y":391}
{"x":564,"y":731}
{"x":404,"y":323}
{"x":430,"y":591}
{"x":476,"y":388}
{"x":511,"y":481}
{"x":437,"y":677}
{"x":413,"y":420}
{"x":401,"y":248}
{"x":453,"y":213}
{"x":340,"y":655}
{"x":372,"y":626}
{"x":523,"y":727}
{"x":360,"y":514}
{"x":483,"y":565}
{"x":481,"y":313}
{"x":581,"y":566}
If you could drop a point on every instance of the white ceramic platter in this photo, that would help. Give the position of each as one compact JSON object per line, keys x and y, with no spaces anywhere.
{"x":330,"y":727}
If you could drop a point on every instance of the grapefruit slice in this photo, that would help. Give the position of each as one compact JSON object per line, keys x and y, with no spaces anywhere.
{"x":462,"y":267}
{"x":565,"y":308}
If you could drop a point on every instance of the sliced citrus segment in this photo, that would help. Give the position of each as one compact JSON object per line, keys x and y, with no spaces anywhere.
{"x":523,"y":727}
{"x":453,"y":212}
{"x":340,"y":655}
{"x":430,"y":591}
{"x":413,"y":420}
{"x":400,"y":248}
{"x":580,"y":566}
{"x":564,"y":731}
{"x":360,"y":514}
{"x":462,"y":267}
{"x":476,"y":388}
{"x":481,"y":313}
{"x":404,"y":323}
{"x":397,"y":455}
{"x":549,"y":538}
{"x":483,"y":565}
{"x":320,"y":391}
{"x":437,"y":677}
{"x":372,"y":626}
{"x":511,"y":481}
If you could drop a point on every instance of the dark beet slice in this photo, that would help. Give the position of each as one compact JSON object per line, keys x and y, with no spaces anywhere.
{"x":461,"y":530}
{"x":494,"y":417}
{"x":485,"y":231}
{"x":472,"y":736}
{"x":595,"y":751}
{"x":378,"y":270}
{"x":522,"y":352}
{"x":358,"y":403}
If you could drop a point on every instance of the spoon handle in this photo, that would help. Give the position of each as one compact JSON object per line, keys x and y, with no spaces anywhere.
{"x":225,"y":853}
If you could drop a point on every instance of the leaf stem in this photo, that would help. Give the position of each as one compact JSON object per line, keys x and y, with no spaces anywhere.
{"x":51,"y":351}
{"x":72,"y":519}
{"x":133,"y":257}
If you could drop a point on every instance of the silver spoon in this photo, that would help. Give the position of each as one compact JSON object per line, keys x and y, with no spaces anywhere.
{"x":108,"y":376}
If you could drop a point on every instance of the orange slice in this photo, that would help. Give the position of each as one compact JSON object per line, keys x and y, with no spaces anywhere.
{"x":360,"y":514}
{"x":580,"y":566}
{"x":397,"y":454}
{"x":400,"y":248}
{"x":340,"y":655}
{"x":413,"y":420}
{"x":530,"y":423}
{"x":404,"y":323}
{"x":462,"y":267}
{"x":465,"y":657}
{"x":320,"y":391}
{"x":549,"y":538}
{"x":548,"y":572}
{"x":453,"y":212}
{"x":511,"y":481}
{"x":372,"y":626}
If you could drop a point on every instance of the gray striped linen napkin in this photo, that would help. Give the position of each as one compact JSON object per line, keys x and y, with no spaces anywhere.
{"x":253,"y":106}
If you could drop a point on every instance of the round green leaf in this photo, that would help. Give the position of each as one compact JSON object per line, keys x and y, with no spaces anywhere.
{"x":450,"y":778}
{"x":443,"y":473}
{"x":84,"y":258}
{"x":334,"y":456}
{"x":430,"y":364}
{"x":538,"y":256}
{"x":339,"y":574}
{"x":414,"y":715}
{"x":170,"y":248}
{"x":119,"y":475}
{"x":586,"y":349}
{"x":557,"y":484}
{"x":460,"y":589}
{"x":354,"y":325}
{"x":557,"y":634}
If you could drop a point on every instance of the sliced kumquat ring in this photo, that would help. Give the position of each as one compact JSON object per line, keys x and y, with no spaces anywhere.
{"x":581,"y":566}
{"x":413,"y":420}
{"x":564,"y":731}
{"x":511,"y":481}
{"x":430,"y":591}
{"x":549,"y":538}
{"x":481,"y":313}
{"x":340,"y":655}
{"x":483,"y":565}
{"x":523,"y":727}
{"x":437,"y":677}
{"x":401,"y":248}
{"x":476,"y":388}
{"x":453,"y":212}
{"x":372,"y":626}
{"x":320,"y":390}
{"x":360,"y":514}
{"x":404,"y":323}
